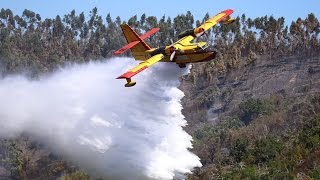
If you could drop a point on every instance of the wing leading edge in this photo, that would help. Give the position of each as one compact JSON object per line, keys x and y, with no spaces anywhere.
{"x":207,"y":25}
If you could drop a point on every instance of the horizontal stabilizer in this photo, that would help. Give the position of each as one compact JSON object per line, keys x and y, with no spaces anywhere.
{"x":138,"y":40}
{"x":149,"y":33}
{"x":126,"y":47}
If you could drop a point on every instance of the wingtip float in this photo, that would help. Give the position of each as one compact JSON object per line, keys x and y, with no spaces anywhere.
{"x":182,"y":52}
{"x":130,"y":83}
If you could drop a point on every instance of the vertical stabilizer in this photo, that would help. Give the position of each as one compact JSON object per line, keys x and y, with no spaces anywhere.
{"x":139,"y":50}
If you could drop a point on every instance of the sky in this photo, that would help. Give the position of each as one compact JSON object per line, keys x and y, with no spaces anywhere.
{"x":290,"y":9}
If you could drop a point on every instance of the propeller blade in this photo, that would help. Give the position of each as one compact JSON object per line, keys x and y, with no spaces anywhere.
{"x":171,"y":41}
{"x":200,"y":34}
{"x":172,"y":55}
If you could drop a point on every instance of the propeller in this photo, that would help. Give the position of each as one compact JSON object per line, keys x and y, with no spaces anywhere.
{"x":201,"y":31}
{"x":172,"y":55}
{"x":173,"y":50}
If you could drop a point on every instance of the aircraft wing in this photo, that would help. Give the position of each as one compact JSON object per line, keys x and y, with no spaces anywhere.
{"x":207,"y":25}
{"x":142,"y":66}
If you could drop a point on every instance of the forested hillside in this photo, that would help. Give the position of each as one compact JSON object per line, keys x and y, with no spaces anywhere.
{"x":28,"y":41}
{"x":254,"y":111}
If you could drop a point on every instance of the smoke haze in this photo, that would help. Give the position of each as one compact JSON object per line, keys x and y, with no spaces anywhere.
{"x":86,"y":115}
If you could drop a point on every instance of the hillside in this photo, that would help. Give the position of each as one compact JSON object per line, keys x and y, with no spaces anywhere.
{"x":221,"y":93}
{"x":257,"y":121}
{"x":254,"y":111}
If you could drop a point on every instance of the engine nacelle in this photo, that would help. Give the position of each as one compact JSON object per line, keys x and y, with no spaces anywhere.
{"x":160,"y":50}
{"x":196,"y":32}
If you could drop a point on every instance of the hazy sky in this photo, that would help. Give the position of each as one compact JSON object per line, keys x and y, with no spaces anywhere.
{"x":290,"y":9}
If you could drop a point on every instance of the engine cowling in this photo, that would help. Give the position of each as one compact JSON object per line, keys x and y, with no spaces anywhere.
{"x":196,"y":32}
{"x":163,"y":50}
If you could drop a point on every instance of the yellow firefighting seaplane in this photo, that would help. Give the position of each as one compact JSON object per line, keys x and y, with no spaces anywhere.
{"x":181,"y":52}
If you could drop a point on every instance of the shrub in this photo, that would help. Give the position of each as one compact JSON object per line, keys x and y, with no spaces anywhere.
{"x":77,"y":175}
{"x":239,"y":150}
{"x":310,"y":135}
{"x":252,"y":108}
{"x":266,"y":149}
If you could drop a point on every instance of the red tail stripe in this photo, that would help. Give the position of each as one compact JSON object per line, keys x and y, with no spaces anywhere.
{"x":126,"y":47}
{"x":141,"y":38}
{"x":149,"y":33}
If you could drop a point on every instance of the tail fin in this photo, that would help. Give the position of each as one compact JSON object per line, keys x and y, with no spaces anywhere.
{"x":135,"y":42}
